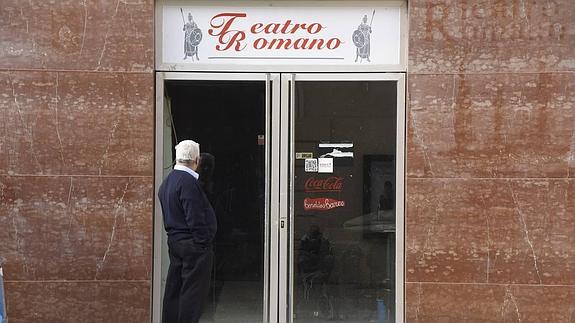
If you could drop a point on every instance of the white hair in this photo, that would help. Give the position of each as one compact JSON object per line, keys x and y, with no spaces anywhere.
{"x":187,"y":150}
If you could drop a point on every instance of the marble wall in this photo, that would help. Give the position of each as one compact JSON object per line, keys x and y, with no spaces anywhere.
{"x":76,"y":159}
{"x":490,"y":224}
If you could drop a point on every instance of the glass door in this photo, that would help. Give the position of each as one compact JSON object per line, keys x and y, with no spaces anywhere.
{"x":233,"y":117}
{"x":308,"y":192}
{"x":341,"y":248}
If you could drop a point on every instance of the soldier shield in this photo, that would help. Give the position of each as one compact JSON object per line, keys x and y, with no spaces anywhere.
{"x":195,"y":37}
{"x":358,"y":38}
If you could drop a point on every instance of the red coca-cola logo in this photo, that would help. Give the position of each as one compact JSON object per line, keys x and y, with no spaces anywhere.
{"x":321,"y":204}
{"x":330,"y":184}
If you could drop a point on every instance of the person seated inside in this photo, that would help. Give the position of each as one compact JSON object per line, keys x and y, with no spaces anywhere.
{"x":315,"y":264}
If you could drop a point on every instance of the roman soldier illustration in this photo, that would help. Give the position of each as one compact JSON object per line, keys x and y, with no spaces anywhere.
{"x":192,"y":38}
{"x":361,"y":39}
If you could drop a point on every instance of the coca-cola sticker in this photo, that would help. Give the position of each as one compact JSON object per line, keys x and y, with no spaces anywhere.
{"x":321,"y":204}
{"x":329,"y":184}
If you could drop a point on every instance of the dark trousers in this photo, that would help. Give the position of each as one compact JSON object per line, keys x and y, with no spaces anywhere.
{"x":188,"y":281}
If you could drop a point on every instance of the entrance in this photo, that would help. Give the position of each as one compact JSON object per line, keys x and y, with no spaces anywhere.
{"x":308,"y":191}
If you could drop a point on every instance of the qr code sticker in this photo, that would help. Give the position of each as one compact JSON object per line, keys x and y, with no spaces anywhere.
{"x":311,"y":165}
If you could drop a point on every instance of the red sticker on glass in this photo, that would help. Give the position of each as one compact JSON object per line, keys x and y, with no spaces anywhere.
{"x":330,"y":184}
{"x":321,"y":204}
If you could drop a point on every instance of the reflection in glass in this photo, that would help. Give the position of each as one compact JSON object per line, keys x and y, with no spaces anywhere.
{"x":344,"y":220}
{"x":226,"y":118}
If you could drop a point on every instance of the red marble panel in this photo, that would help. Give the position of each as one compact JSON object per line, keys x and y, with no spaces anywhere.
{"x":76,"y":123}
{"x":500,"y":125}
{"x":87,"y":228}
{"x":74,"y":302}
{"x":447,"y":303}
{"x":490,"y":231}
{"x":77,"y":35}
{"x":491,"y":36}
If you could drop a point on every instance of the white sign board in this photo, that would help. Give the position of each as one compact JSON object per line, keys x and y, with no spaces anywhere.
{"x":281,"y":36}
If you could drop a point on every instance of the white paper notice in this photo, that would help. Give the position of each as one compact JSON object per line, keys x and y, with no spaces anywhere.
{"x":325,"y":165}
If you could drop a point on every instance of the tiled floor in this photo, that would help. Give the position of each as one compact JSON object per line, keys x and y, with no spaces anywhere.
{"x":237,"y":302}
{"x":241,"y":302}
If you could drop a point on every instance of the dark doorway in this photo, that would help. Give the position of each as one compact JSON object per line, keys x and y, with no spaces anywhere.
{"x":227,"y":118}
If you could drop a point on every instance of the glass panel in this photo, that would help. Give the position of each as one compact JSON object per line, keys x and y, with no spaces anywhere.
{"x":344,"y":201}
{"x":227,"y":119}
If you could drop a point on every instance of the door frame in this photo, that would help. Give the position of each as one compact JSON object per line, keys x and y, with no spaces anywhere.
{"x":287,"y":191}
{"x":279,"y":144}
{"x":162,"y":118}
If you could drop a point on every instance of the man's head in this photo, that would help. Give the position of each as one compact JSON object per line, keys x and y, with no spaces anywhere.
{"x":188,"y":154}
{"x":190,"y":18}
{"x":364,"y":19}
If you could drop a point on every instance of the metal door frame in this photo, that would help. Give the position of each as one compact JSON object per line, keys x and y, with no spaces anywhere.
{"x":279,"y":143}
{"x":272,"y":122}
{"x":287,"y":191}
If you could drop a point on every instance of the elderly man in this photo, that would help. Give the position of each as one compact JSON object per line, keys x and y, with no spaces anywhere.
{"x":190,"y":223}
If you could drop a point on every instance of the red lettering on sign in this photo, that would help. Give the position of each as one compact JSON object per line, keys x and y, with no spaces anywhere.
{"x":272,"y":28}
{"x":298,"y":43}
{"x":321,"y":204}
{"x":230,"y":38}
{"x":314,"y":28}
{"x":285,"y":27}
{"x":260,"y":43}
{"x":330,"y":184}
{"x":256,"y":28}
{"x":227,"y":38}
{"x":333,"y":43}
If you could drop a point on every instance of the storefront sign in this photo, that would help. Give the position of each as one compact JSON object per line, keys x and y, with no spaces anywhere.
{"x":329,"y":184}
{"x":321,"y":204}
{"x":288,"y":35}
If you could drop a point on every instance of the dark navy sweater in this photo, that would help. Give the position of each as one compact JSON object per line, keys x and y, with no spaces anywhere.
{"x":186,"y":209}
